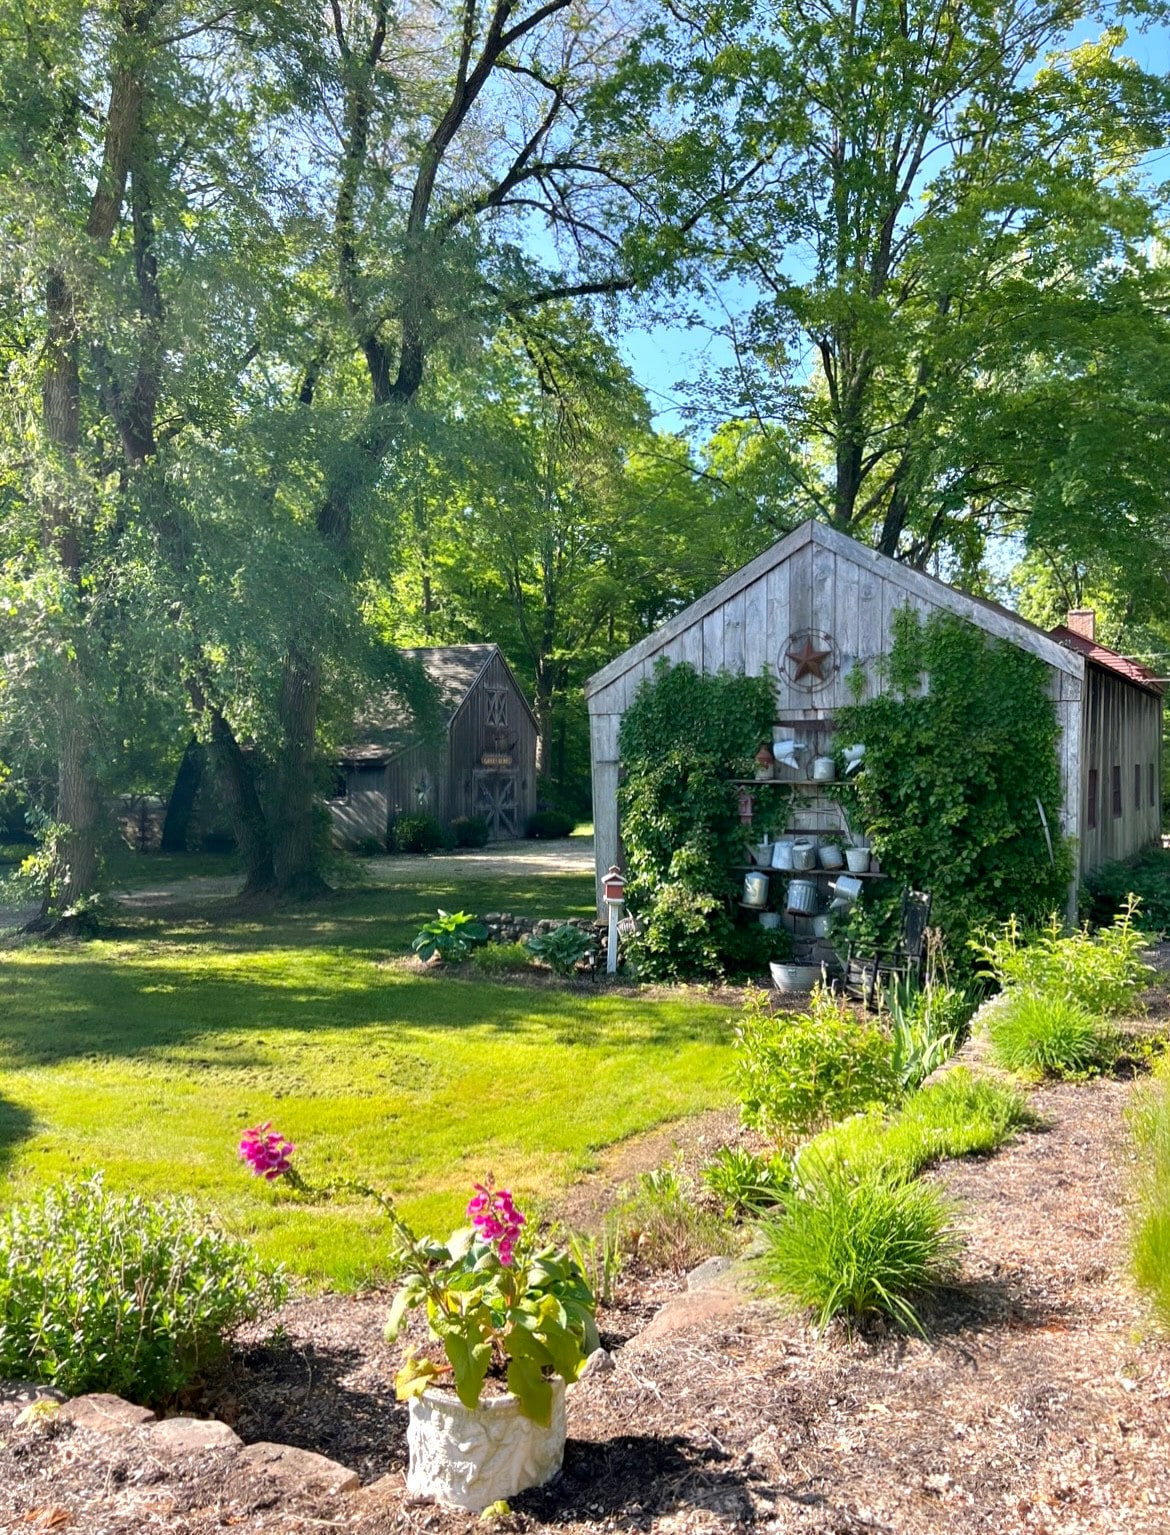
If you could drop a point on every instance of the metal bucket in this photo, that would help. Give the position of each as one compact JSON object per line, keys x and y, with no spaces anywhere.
{"x":858,"y":859}
{"x":804,"y":854}
{"x":831,"y":856}
{"x":823,"y":924}
{"x":824,"y":770}
{"x":847,"y":888}
{"x":770,"y":920}
{"x":802,"y":897}
{"x":755,"y":888}
{"x":782,"y":853}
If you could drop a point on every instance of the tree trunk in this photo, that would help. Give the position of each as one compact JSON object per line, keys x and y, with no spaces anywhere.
{"x":294,"y":855}
{"x":237,"y":783}
{"x":78,"y":808}
{"x":177,"y":822}
{"x":241,"y":798}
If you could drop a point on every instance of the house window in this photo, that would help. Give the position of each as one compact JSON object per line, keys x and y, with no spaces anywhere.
{"x":497,"y":706}
{"x":1092,"y":798}
{"x":1116,"y":790}
{"x":1137,"y":786}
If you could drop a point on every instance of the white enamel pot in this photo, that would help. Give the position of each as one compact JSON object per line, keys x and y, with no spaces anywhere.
{"x":823,"y":924}
{"x":802,"y":897}
{"x":755,"y":888}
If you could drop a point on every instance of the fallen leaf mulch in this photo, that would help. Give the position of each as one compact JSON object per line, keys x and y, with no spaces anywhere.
{"x":1038,"y":1406}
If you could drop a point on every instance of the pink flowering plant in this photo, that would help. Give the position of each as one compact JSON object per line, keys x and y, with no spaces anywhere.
{"x":495,"y":1301}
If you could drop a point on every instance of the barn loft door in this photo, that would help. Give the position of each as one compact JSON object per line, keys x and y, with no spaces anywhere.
{"x":497,"y":799}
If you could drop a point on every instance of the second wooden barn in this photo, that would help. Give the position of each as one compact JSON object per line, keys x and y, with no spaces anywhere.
{"x":818,"y":604}
{"x":484,"y":764}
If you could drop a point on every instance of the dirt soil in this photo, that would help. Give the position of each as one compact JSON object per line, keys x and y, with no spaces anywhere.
{"x":1038,"y":1404}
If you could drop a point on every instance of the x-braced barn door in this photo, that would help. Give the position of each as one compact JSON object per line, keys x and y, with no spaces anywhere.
{"x":496,"y":799}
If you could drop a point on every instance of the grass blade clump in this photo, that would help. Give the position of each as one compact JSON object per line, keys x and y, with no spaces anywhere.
{"x":859,"y":1245}
{"x":1149,"y":1121}
{"x":1047,"y":1034}
{"x":960,"y":1115}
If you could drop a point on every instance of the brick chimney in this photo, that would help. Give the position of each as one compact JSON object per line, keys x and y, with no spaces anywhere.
{"x":1082,"y":621}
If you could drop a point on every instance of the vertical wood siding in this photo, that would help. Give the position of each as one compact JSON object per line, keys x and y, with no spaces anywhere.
{"x":1122,"y":732}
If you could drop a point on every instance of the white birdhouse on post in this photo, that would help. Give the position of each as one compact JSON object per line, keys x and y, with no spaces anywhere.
{"x":615,"y":887}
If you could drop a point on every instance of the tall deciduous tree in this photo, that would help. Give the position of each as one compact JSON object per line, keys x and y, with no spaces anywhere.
{"x":904,"y":186}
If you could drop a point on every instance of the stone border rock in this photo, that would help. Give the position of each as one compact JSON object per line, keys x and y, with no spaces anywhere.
{"x":106,"y":1416}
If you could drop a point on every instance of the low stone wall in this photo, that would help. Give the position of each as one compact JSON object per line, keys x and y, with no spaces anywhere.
{"x":504,"y":927}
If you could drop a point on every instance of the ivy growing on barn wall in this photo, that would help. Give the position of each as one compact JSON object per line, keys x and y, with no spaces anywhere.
{"x":959,"y":748}
{"x":683,"y":739}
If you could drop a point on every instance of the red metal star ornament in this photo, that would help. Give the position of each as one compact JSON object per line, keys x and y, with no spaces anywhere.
{"x":809,"y":660}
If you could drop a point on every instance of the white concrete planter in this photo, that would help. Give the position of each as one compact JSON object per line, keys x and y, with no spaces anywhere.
{"x":471,"y":1457}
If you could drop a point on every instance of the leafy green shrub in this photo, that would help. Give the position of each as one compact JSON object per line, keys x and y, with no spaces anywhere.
{"x":744,"y":1182}
{"x":102,"y":1292}
{"x":858,"y":1245}
{"x":1107,"y":891}
{"x":501,"y":958}
{"x":795,"y":1072}
{"x":452,"y":936}
{"x":562,"y":949}
{"x":1102,"y":972}
{"x":367,"y":847}
{"x":1047,"y":1034}
{"x":550,"y":825}
{"x":683,"y":740}
{"x":959,"y":1115}
{"x":925,"y":1024}
{"x":953,"y":771}
{"x":680,"y":935}
{"x":470,"y":831}
{"x":418,"y":834}
{"x":1149,"y":1241}
{"x":665,"y":1224}
{"x":747,"y":950}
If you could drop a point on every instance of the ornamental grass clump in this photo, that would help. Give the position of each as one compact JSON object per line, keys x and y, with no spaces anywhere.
{"x":858,"y":1245}
{"x":1149,"y":1240}
{"x":108,"y":1292}
{"x":1045,"y":1034}
{"x":959,"y":1115}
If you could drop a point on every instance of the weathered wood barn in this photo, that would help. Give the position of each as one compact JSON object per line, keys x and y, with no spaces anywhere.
{"x":484,"y":764}
{"x":818,"y":603}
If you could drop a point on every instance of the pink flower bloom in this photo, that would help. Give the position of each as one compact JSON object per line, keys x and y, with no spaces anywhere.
{"x":496,"y":1219}
{"x":266,"y":1152}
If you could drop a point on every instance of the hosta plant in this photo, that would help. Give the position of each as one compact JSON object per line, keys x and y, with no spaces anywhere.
{"x":452,"y":936}
{"x":562,"y":950}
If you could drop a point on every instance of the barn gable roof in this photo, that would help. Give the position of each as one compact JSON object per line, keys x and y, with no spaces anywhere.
{"x":986,"y":615}
{"x":386,"y":727}
{"x":1112,"y":660}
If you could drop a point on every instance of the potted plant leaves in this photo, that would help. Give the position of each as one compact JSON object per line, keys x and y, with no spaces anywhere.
{"x":515,"y":1322}
{"x":507,"y":1315}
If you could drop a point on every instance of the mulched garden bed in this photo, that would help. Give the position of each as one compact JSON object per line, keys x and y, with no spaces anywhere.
{"x":1040,"y":1404}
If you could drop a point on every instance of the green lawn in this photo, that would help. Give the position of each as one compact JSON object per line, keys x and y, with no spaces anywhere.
{"x":148,"y":1052}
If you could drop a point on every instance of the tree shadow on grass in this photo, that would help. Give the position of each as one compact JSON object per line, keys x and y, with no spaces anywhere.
{"x":16,"y":1125}
{"x":176,"y":1006}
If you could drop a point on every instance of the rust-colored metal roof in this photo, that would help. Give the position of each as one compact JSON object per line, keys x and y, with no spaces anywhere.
{"x":1112,"y":660}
